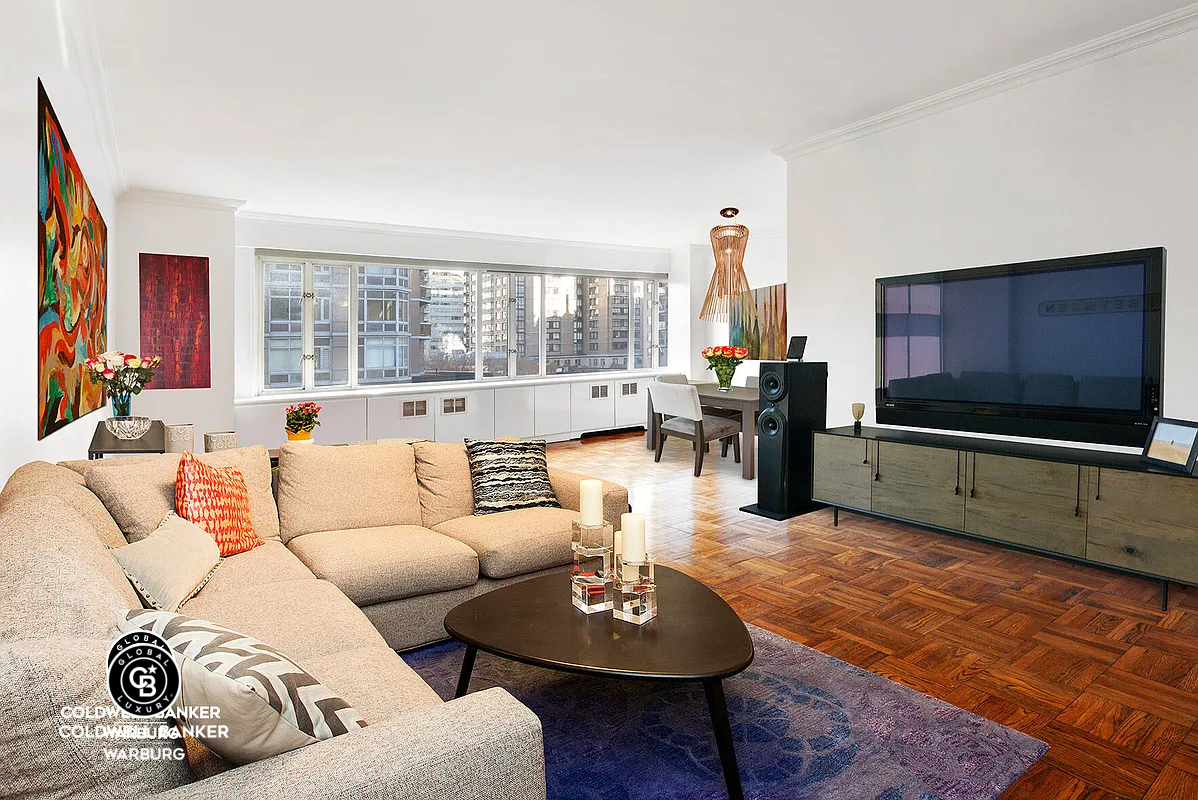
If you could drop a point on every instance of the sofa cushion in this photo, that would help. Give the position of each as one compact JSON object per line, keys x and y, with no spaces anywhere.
{"x":268,"y":703}
{"x":38,"y":679}
{"x":301,"y":618}
{"x":172,"y":564}
{"x":59,"y":579}
{"x":375,"y":681}
{"x":514,"y":542}
{"x":217,"y":500}
{"x":324,"y":488}
{"x":139,"y":490}
{"x":269,"y":562}
{"x":443,"y":471}
{"x":506,"y":476}
{"x":66,"y":487}
{"x":374,"y":565}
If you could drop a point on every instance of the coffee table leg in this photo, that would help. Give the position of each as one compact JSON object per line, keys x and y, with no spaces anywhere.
{"x":467,"y":668}
{"x":723,"y":737}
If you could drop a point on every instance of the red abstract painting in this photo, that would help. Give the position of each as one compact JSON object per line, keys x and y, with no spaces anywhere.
{"x":175,"y":320}
{"x":72,"y":284}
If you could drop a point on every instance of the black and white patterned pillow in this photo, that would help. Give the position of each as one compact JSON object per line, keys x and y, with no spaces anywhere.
{"x":507,"y":475}
{"x":268,"y":703}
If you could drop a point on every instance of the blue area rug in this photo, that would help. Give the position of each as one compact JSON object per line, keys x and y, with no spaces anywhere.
{"x":806,"y":726}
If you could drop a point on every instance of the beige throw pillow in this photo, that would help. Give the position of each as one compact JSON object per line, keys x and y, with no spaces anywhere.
{"x":139,"y":490}
{"x":172,"y":564}
{"x":444,"y":474}
{"x":268,"y":703}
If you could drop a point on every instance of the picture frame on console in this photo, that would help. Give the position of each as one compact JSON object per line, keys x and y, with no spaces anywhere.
{"x":1173,"y":444}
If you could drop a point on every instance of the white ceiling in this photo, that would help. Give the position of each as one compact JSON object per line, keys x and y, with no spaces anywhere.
{"x":618,"y":122}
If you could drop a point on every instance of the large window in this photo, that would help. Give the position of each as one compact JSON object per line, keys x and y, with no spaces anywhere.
{"x":340,"y":324}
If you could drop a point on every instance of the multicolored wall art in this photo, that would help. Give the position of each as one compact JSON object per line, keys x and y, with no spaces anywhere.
{"x":72,"y":284}
{"x":758,"y":323}
{"x":175,"y":319}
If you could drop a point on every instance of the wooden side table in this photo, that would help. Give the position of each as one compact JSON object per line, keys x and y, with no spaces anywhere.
{"x":104,"y":443}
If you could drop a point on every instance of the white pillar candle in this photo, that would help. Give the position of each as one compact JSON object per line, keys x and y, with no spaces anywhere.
{"x":590,"y":505}
{"x":633,"y":541}
{"x":616,"y":549}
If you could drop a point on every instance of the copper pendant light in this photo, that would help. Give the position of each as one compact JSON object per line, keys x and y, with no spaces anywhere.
{"x":729,"y":287}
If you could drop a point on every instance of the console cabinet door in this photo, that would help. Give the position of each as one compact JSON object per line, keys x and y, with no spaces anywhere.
{"x":1032,"y":503}
{"x":1144,"y":522}
{"x":844,"y":471}
{"x":922,"y":484}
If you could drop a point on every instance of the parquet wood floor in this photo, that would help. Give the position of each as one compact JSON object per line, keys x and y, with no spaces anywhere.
{"x":1078,"y":657}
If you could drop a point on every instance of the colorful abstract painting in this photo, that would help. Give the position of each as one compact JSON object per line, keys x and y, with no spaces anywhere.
{"x":175,"y":320}
{"x":758,"y":323}
{"x":72,"y":285}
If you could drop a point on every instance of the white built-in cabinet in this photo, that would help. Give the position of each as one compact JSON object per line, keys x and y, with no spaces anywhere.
{"x":631,"y":402}
{"x":465,"y":415}
{"x":515,"y":407}
{"x":554,"y":410}
{"x":551,"y":409}
{"x":400,"y":417}
{"x":592,"y":406}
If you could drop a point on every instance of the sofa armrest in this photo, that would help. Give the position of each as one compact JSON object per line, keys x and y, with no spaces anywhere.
{"x":484,"y":746}
{"x":565,"y":486}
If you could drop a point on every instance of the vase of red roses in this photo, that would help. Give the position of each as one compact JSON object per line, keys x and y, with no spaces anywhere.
{"x":724,"y":361}
{"x":301,"y":421}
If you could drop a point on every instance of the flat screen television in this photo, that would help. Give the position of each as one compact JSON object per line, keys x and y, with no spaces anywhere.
{"x":1070,"y":348}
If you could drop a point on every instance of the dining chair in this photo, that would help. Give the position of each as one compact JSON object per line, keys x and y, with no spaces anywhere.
{"x":687,"y":421}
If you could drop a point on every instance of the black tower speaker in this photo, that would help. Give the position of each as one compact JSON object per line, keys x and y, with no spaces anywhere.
{"x":794,"y":402}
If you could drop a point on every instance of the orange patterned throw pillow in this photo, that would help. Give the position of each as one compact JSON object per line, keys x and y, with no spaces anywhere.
{"x":216,"y":499}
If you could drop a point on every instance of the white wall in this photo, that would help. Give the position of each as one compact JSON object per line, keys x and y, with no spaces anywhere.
{"x":257,"y":231}
{"x":31,"y":47}
{"x":1098,"y":159}
{"x":185,"y":226}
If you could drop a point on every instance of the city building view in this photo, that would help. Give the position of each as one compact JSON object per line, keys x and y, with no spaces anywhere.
{"x":416,"y":324}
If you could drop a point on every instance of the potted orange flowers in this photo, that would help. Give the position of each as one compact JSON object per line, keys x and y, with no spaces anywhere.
{"x":724,"y":360}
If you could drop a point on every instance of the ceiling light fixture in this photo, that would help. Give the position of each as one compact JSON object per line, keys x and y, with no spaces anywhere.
{"x":728,"y":286}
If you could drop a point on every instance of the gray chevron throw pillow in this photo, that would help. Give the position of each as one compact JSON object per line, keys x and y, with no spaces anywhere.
{"x":507,"y":475}
{"x":268,"y":703}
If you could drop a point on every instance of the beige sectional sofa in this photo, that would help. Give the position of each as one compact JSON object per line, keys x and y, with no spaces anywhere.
{"x":365,"y":550}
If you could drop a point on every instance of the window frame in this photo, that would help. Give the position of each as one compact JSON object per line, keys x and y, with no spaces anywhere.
{"x":308,"y":300}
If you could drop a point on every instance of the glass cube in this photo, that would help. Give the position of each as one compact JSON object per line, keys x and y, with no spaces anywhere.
{"x":634,"y":594}
{"x":591,"y":575}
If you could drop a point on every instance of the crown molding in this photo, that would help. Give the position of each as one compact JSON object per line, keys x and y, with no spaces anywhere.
{"x":178,"y":199}
{"x":1142,"y":34}
{"x":435,"y":233}
{"x":83,"y":31}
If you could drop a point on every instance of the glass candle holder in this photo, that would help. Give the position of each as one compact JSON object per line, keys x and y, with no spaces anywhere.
{"x":591,"y":575}
{"x":634,"y":594}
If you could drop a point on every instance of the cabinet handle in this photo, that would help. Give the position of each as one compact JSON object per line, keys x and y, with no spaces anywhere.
{"x":1077,"y":510}
{"x":866,"y":459}
{"x":878,"y":463}
{"x":973,"y":490}
{"x":1131,"y":551}
{"x":957,"y":489}
{"x":1098,"y":484}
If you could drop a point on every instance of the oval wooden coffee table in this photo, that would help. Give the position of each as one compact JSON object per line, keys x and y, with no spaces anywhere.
{"x":696,"y":636}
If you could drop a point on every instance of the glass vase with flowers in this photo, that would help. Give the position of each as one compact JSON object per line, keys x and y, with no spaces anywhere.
{"x":724,"y":360}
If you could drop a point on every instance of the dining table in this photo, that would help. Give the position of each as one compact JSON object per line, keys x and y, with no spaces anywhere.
{"x":738,"y":398}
